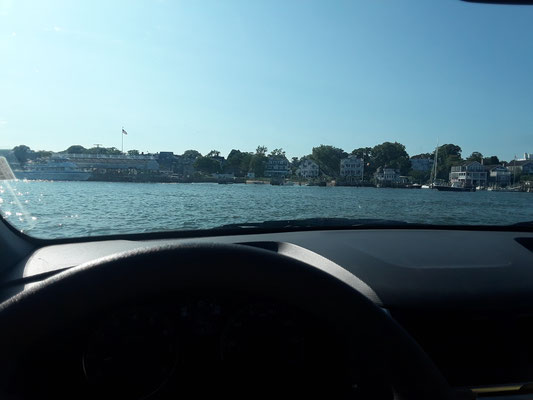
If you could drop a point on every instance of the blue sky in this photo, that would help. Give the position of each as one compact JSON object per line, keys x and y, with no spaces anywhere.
{"x":291,"y":74}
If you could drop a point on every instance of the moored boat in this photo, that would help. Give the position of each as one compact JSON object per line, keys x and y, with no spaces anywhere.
{"x":455,"y":187}
{"x":55,"y":169}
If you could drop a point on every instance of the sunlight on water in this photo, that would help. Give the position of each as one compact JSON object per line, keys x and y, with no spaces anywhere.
{"x":67,"y":209}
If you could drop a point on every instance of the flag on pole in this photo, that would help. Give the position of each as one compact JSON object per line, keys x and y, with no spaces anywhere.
{"x":124,"y":132}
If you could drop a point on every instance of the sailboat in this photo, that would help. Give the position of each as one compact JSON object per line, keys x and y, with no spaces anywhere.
{"x":433,"y":176}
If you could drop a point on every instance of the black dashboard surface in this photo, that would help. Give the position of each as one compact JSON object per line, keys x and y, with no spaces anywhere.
{"x":405,"y":268}
{"x":465,"y":296}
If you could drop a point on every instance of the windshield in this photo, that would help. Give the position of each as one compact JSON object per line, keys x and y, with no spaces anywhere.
{"x":143,"y":116}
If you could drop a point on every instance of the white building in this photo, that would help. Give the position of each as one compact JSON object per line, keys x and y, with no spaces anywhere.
{"x":277,"y":167}
{"x":387,"y":176}
{"x":469,"y":174}
{"x":308,"y":169}
{"x":352,"y":168}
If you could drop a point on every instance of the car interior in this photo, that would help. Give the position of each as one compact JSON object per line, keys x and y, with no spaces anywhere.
{"x":371,"y":310}
{"x":435,"y":312}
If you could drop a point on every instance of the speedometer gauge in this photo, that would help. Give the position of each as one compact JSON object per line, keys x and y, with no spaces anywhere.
{"x":262,"y":334}
{"x":132,"y":353}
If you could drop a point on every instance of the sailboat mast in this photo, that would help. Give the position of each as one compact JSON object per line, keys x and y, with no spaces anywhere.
{"x":434,"y":172}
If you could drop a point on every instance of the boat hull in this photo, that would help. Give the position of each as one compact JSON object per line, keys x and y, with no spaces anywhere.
{"x":454,"y":189}
{"x":53,"y":176}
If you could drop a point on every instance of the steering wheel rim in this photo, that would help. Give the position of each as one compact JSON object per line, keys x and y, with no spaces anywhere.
{"x":38,"y":311}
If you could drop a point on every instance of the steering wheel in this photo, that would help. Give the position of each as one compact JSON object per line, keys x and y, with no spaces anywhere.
{"x":376,"y":340}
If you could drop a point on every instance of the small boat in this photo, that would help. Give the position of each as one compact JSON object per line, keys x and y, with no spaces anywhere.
{"x":455,"y":187}
{"x":505,"y":189}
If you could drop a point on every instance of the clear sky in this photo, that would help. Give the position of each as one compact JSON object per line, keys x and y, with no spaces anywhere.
{"x":290,"y":73}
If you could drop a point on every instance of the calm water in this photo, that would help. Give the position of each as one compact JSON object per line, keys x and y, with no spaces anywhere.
{"x":62,"y":209}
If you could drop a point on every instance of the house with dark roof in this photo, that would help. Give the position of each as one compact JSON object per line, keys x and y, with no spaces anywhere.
{"x":469,"y":174}
{"x":499,"y":175}
{"x":521,"y":167}
{"x":388,"y":176}
{"x":308,"y":169}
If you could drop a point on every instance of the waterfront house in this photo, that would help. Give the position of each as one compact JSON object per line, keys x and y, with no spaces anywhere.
{"x":521,"y":167}
{"x":387,"y":176}
{"x":499,"y":176}
{"x":352,"y":168}
{"x":421,"y":164}
{"x":469,"y":174}
{"x":308,"y":169}
{"x":114,"y":164}
{"x":277,"y":167}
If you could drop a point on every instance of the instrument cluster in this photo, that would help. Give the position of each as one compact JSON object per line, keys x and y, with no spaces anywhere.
{"x":136,"y":351}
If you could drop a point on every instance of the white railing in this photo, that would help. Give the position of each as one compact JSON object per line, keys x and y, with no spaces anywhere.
{"x":110,"y":156}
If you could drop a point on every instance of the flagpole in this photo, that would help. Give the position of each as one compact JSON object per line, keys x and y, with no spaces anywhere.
{"x":122,"y":135}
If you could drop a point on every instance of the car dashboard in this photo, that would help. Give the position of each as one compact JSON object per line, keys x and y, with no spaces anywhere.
{"x":466,"y":296}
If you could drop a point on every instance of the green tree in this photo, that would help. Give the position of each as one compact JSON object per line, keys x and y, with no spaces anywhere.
{"x":75,"y":149}
{"x":492,"y":160}
{"x":295,"y":163}
{"x":366,"y":154}
{"x":261,"y":150}
{"x":213,"y":153}
{"x":391,"y":155}
{"x":245,"y":163}
{"x":238,"y":162}
{"x":95,"y":150}
{"x":419,"y":176}
{"x":475,"y":156}
{"x":192,"y":154}
{"x":328,"y":159}
{"x":207,"y":165}
{"x":277,"y":153}
{"x":22,"y":153}
{"x":524,"y":178}
{"x":449,"y":155}
{"x":363,"y":152}
{"x":133,"y":152}
{"x":423,"y":156}
{"x":42,"y":154}
{"x":258,"y":165}
{"x":112,"y":151}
